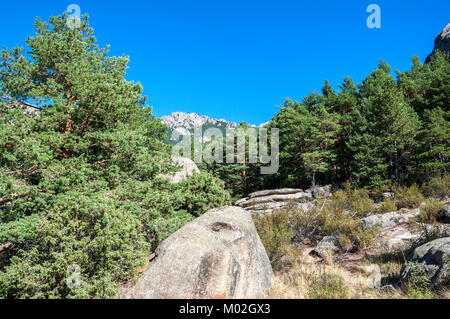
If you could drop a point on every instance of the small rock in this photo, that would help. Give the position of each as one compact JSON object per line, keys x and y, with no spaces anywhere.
{"x":320,"y":191}
{"x":388,"y":195}
{"x":382,"y":220}
{"x":374,"y":279}
{"x":327,"y":246}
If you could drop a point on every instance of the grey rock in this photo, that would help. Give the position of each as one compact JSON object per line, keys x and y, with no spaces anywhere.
{"x":327,"y":246}
{"x":320,"y":191}
{"x":297,"y":197}
{"x":388,"y":220}
{"x":442,"y":42}
{"x":218,"y":255}
{"x":374,"y":278}
{"x":270,"y":208}
{"x":382,"y":220}
{"x":446,"y":217}
{"x":188,"y":168}
{"x":269,"y":201}
{"x":433,"y":258}
{"x":283,"y":191}
{"x":241,"y":201}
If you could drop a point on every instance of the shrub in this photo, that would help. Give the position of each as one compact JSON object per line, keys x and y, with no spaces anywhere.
{"x":438,"y":187}
{"x":338,"y":217}
{"x":418,"y":283}
{"x":387,"y":206}
{"x":432,"y":211}
{"x":327,"y":285}
{"x":408,"y":197}
{"x":201,"y":193}
{"x":344,"y":226}
{"x":276,"y":233}
{"x":354,"y":200}
{"x":331,"y":219}
{"x":433,"y":232}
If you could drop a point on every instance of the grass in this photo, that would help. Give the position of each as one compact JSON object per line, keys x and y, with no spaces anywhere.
{"x":307,"y":279}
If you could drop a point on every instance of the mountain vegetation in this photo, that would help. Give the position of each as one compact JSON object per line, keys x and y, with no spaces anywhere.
{"x":384,"y":131}
{"x":79,"y":185}
{"x":83,"y":159}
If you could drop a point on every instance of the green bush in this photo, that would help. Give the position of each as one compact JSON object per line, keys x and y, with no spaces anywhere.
{"x":354,"y":200}
{"x":339,"y":217}
{"x":432,"y":211}
{"x":331,"y":218}
{"x":275,"y":231}
{"x":408,"y":197}
{"x":344,"y":226}
{"x":438,"y":187}
{"x":80,"y":192}
{"x":387,"y":206}
{"x":418,"y":283}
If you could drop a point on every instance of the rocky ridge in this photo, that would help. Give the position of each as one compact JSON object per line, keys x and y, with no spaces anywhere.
{"x":442,"y":42}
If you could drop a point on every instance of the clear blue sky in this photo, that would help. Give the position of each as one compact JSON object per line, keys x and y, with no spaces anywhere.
{"x":239,"y":59}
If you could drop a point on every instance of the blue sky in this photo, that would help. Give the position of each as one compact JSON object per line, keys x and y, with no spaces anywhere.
{"x":239,"y":59}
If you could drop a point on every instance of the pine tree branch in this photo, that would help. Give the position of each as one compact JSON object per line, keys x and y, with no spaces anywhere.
{"x":20,"y":102}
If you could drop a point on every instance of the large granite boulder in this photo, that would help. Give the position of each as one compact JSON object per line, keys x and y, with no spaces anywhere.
{"x":218,"y":255}
{"x":434,"y":259}
{"x":442,"y":42}
{"x":269,"y":201}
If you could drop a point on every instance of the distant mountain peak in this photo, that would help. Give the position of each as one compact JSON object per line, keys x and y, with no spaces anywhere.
{"x":190,"y":121}
{"x":185,"y":123}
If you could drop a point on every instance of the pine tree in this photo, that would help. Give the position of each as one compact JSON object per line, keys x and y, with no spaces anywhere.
{"x":427,"y":86}
{"x":388,"y":124}
{"x":434,"y":143}
{"x":79,"y":177}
